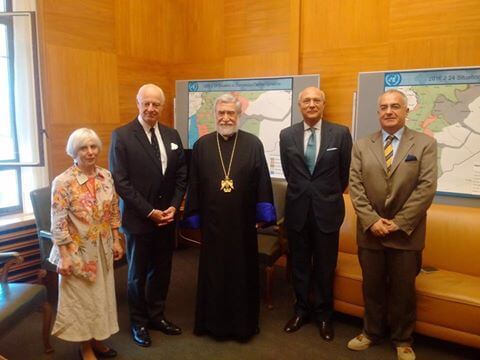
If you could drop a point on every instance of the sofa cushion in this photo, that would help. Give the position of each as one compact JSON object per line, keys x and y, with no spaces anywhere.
{"x":449,"y":299}
{"x":444,"y":298}
{"x":348,"y":280}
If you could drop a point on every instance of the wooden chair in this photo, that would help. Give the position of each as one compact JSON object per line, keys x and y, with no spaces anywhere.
{"x":17,"y":300}
{"x":41,"y":204}
{"x":272,"y":241}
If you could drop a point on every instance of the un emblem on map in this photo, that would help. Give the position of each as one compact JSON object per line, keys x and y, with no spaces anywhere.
{"x":192,"y":86}
{"x":392,"y":79}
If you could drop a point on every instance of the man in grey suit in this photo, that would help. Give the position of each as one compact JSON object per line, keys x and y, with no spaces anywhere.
{"x":149,"y":169}
{"x":315,"y":157}
{"x":393,"y":179}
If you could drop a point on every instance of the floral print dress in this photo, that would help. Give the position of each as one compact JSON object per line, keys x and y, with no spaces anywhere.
{"x":83,"y":215}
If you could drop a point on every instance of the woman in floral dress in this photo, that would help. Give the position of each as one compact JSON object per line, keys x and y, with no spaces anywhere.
{"x":85,"y":233}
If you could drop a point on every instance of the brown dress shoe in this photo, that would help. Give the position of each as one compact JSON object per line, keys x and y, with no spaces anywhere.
{"x":295,"y":323}
{"x":326,"y":330}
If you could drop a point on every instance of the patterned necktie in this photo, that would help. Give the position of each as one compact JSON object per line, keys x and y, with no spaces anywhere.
{"x":311,"y":150}
{"x":388,"y":151}
{"x":155,"y":146}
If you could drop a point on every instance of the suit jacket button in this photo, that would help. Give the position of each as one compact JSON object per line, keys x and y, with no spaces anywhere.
{"x":159,"y":196}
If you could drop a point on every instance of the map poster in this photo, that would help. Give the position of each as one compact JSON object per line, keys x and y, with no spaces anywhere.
{"x":445,"y":104}
{"x":266,"y":110}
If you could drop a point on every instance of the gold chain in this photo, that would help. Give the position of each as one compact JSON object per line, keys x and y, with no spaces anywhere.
{"x":226,"y":184}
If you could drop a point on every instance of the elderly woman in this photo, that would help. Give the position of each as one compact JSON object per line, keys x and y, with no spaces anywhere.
{"x":85,"y":223}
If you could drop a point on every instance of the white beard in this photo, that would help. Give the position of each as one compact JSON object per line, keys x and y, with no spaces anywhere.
{"x":226,"y":130}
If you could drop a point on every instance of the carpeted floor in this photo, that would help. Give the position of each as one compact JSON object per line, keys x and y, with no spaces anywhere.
{"x":24,"y":342}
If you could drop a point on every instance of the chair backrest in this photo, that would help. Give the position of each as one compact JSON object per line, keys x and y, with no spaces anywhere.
{"x":40,"y":199}
{"x":279,"y":188}
{"x":41,"y":204}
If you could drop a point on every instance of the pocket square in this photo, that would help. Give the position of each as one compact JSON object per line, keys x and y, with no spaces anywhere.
{"x":332,"y":149}
{"x":411,"y":157}
{"x":173,"y":146}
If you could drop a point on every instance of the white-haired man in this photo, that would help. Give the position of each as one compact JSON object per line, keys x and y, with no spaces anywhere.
{"x":149,"y":169}
{"x":229,"y":193}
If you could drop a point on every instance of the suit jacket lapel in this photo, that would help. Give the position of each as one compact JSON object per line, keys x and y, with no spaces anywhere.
{"x":324,"y":137}
{"x":403,"y":147}
{"x":142,"y":138}
{"x":377,"y":149}
{"x":298,"y":139}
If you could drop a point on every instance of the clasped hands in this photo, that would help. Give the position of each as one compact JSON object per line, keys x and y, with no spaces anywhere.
{"x":162,"y":218}
{"x":383,"y":227}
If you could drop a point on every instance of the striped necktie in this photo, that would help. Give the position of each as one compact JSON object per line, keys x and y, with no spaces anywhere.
{"x":311,"y":151}
{"x":388,"y":151}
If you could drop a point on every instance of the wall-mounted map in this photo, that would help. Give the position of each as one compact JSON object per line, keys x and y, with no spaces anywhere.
{"x":268,"y":106}
{"x":445,"y":104}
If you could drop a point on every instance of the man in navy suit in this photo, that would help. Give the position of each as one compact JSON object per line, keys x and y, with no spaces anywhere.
{"x":149,"y":169}
{"x":315,"y":158}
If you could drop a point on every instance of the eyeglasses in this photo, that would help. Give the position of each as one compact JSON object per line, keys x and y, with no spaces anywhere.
{"x":307,"y":101}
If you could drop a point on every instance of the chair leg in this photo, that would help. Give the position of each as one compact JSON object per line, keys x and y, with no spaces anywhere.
{"x":269,"y":270}
{"x":47,"y":321}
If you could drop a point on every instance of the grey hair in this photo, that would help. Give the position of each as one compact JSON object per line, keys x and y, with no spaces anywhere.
{"x":79,"y":138}
{"x":301,"y":93}
{"x":394,"y":91}
{"x":228,"y":99}
{"x":153,"y":86}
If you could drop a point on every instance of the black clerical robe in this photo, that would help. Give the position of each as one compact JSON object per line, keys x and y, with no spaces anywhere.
{"x":228,"y":280}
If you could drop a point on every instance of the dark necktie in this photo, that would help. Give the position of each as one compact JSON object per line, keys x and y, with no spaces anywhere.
{"x":155,"y":146}
{"x":311,"y":150}
{"x":388,"y":151}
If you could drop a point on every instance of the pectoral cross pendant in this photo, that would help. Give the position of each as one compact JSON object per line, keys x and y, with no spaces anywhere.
{"x":226,"y":185}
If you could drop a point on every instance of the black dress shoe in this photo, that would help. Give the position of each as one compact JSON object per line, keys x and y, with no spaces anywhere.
{"x":295,"y":323}
{"x":110,"y":353}
{"x":166,"y":327}
{"x":326,"y":330}
{"x":141,"y":336}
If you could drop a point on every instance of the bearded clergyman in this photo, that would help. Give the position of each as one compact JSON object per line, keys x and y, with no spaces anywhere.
{"x":229,"y":197}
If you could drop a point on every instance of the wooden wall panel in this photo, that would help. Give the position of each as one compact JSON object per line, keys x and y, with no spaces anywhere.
{"x":197,"y":70}
{"x":254,"y":26}
{"x":261,"y":64}
{"x":339,"y":24}
{"x":88,"y":24}
{"x":82,"y":86}
{"x":426,"y":19}
{"x":435,"y":52}
{"x":135,"y":72}
{"x":153,"y":30}
{"x":204,"y":23}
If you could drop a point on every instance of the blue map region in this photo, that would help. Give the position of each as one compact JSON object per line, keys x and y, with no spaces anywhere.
{"x":192,"y":131}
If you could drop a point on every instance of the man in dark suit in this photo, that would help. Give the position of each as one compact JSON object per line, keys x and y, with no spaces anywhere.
{"x":315,"y":158}
{"x":148,"y":166}
{"x":393,"y":180}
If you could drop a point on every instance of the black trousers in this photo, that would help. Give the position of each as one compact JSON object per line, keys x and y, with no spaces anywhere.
{"x":313,"y":258}
{"x":389,"y":293}
{"x":149,"y":259}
